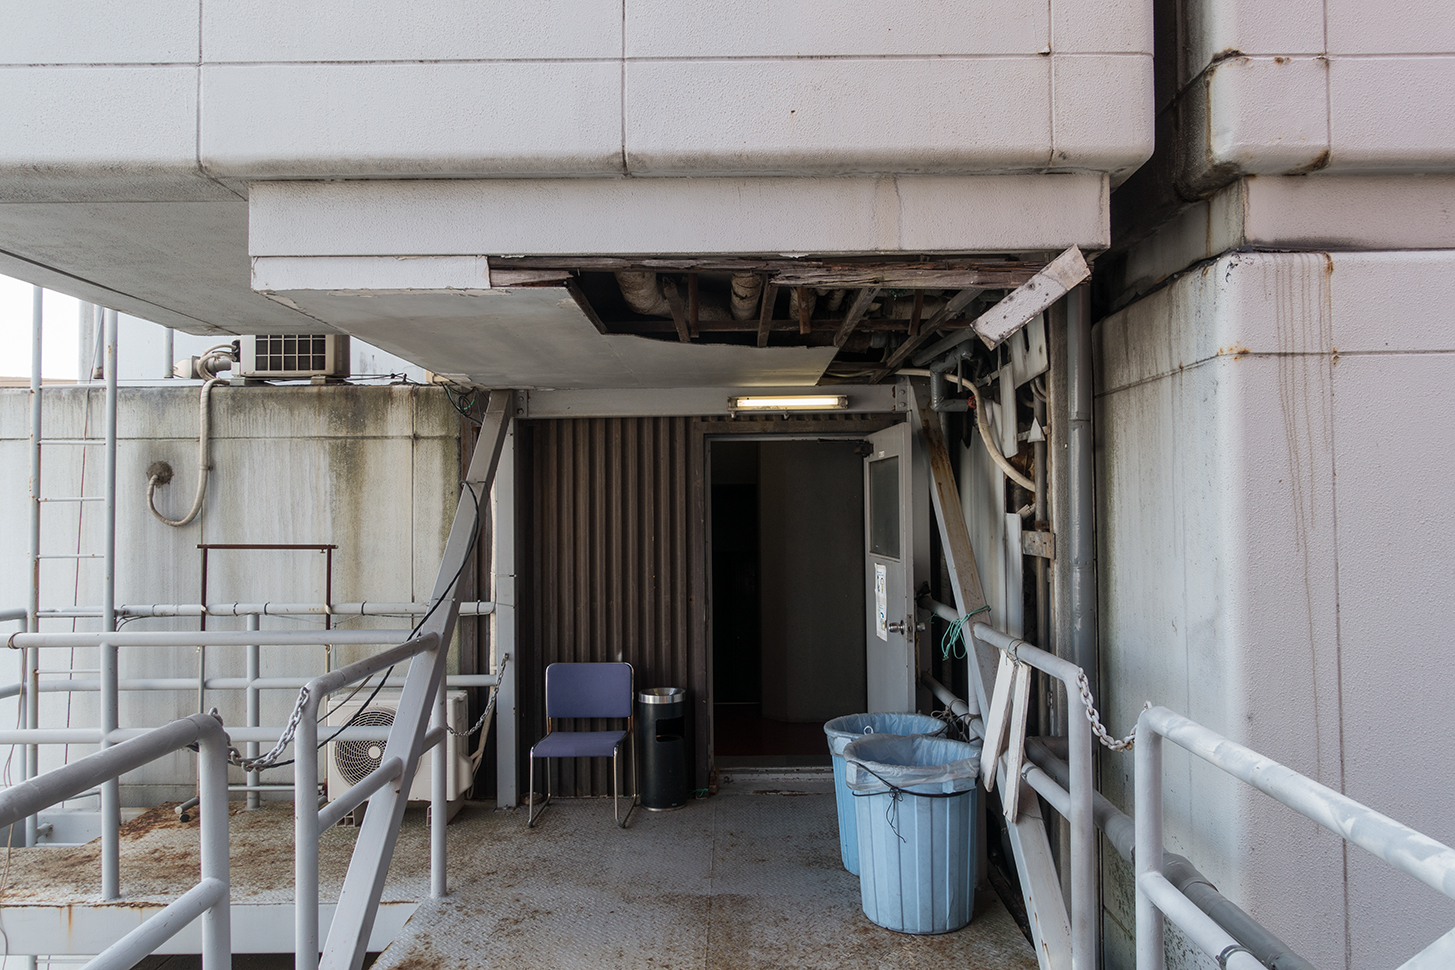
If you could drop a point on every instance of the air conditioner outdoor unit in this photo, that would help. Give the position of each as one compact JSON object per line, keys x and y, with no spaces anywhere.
{"x":293,"y":355}
{"x":349,"y":761}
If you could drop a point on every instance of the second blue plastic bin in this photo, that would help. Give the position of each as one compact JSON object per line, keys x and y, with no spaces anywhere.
{"x":915,"y":799}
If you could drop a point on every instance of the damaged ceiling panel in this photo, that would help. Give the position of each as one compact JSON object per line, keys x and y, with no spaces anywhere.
{"x":539,"y":336}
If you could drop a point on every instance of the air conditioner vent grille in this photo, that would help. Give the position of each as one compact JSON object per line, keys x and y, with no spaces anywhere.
{"x":292,"y":352}
{"x":355,"y":759}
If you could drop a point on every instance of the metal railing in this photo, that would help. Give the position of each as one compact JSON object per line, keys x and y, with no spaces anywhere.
{"x":210,"y":898}
{"x":1074,"y":803}
{"x":309,"y":821}
{"x":1409,"y":851}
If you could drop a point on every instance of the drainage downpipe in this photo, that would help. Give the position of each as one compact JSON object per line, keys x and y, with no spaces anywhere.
{"x":1080,"y":473}
{"x":1120,"y":831}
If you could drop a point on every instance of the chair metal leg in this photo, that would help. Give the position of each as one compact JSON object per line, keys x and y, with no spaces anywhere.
{"x":530,"y":813}
{"x":616,"y":791}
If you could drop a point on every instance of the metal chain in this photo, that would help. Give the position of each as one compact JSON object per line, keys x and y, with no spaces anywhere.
{"x":489,"y":705}
{"x":235,"y":757}
{"x":1115,"y":744}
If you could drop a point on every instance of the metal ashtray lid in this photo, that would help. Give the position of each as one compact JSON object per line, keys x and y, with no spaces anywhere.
{"x":661,"y":695}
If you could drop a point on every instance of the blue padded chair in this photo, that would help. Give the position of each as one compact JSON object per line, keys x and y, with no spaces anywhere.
{"x":590,"y":690}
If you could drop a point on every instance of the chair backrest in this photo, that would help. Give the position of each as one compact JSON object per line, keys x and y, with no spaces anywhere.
{"x":589,"y":690}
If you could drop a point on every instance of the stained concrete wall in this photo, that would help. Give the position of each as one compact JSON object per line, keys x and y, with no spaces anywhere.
{"x":1275,"y":448}
{"x":373,"y":470}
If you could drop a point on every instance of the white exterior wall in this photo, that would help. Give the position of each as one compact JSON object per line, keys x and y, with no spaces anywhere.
{"x":373,"y":470}
{"x":1275,"y":448}
{"x":135,"y":134}
{"x":1344,"y":86}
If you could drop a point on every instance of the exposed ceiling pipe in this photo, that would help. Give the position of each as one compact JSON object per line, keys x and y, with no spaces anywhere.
{"x":835,"y":299}
{"x":747,"y":294}
{"x":643,"y":293}
{"x":809,"y":296}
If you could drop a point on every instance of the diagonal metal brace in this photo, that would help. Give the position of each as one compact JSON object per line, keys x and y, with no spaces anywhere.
{"x":358,"y":902}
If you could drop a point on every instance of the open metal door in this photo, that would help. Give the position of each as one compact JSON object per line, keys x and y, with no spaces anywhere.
{"x":896,"y":563}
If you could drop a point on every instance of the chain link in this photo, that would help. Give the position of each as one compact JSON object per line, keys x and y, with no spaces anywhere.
{"x":268,"y":759}
{"x":489,"y":705}
{"x":1115,"y":744}
{"x":235,"y":757}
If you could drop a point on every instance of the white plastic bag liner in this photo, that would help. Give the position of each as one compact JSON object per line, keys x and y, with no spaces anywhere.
{"x":842,"y":730}
{"x":879,"y":763}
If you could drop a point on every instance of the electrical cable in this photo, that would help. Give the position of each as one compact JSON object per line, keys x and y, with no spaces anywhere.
{"x":469,"y":550}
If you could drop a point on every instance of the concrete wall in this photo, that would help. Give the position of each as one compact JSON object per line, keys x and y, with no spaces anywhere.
{"x":373,"y":470}
{"x":265,"y":89}
{"x":1275,"y":445}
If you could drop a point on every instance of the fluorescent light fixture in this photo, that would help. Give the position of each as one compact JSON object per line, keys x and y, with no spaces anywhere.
{"x":789,"y":402}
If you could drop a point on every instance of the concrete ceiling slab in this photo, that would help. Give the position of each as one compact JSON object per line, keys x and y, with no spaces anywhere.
{"x":181,"y":264}
{"x":537,"y":337}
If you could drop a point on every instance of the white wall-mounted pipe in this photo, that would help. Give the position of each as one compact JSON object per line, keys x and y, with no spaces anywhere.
{"x":160,"y":473}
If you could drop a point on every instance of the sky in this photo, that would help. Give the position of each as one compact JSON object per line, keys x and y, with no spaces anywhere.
{"x":61,"y":317}
{"x":140,"y":343}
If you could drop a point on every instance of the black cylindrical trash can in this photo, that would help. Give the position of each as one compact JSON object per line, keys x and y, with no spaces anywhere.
{"x":662,"y":747}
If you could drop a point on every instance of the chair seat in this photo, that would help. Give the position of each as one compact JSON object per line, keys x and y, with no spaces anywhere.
{"x":577,"y":744}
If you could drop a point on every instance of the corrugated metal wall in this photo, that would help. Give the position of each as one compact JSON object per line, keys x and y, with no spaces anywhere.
{"x":613,"y":522}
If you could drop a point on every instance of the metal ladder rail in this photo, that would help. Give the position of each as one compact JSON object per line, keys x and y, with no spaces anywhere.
{"x":110,"y":790}
{"x":421,"y":699}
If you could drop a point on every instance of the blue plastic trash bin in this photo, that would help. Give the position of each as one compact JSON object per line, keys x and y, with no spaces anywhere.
{"x":915,"y":801}
{"x":842,"y":730}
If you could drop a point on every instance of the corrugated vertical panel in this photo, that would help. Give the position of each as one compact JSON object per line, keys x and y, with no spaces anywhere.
{"x":612,"y":535}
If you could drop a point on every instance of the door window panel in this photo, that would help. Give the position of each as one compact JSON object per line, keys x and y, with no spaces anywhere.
{"x":884,"y":507}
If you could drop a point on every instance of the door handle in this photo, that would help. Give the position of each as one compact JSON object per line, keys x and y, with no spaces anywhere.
{"x":896,"y":627}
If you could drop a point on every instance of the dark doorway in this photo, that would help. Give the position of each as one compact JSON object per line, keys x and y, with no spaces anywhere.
{"x":788,"y":614}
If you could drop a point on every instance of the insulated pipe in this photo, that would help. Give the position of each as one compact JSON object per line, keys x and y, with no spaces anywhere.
{"x":1080,"y":471}
{"x":643,"y":294}
{"x":160,"y":473}
{"x":810,"y":300}
{"x":110,"y":705}
{"x":747,"y":296}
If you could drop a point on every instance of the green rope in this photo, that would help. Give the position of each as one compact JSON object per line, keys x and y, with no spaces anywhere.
{"x":955,"y":641}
